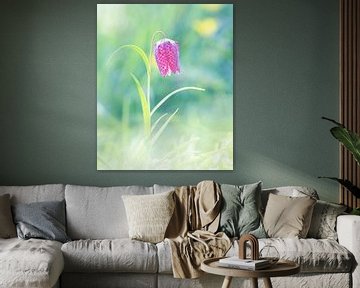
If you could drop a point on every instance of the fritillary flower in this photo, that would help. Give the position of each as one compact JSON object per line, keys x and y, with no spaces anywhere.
{"x":166,"y":53}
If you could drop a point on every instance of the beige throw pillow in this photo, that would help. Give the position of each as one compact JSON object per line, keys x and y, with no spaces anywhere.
{"x":7,"y":226}
{"x":149,"y":215}
{"x":288,"y":217}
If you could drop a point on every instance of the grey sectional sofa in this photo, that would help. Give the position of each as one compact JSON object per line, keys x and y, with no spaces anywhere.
{"x":101,"y":254}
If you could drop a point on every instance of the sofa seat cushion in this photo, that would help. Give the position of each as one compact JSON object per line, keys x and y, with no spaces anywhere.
{"x":313,"y":255}
{"x":110,"y":255}
{"x":30,"y":263}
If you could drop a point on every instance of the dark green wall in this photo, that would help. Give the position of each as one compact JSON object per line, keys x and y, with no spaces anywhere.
{"x":286,"y":78}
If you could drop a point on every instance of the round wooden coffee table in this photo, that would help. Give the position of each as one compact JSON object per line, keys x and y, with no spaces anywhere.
{"x":281,"y":268}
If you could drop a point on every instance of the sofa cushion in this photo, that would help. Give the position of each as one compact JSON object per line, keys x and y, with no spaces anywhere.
{"x":149,"y":215}
{"x":7,"y":227}
{"x":36,"y":193}
{"x":323,"y":222}
{"x":43,"y":220}
{"x":164,"y":257}
{"x":240,"y":210}
{"x":287,"y":216}
{"x":313,"y":255}
{"x":30,"y":263}
{"x":98,"y":213}
{"x":116,"y":255}
{"x":163,"y":188}
{"x":291,"y":191}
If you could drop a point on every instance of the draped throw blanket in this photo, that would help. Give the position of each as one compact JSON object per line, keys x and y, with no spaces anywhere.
{"x":191,"y":231}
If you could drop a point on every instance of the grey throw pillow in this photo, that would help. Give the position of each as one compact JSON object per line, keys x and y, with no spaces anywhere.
{"x":44,"y":220}
{"x":240,"y":213}
{"x":323,"y":222}
{"x":7,"y":227}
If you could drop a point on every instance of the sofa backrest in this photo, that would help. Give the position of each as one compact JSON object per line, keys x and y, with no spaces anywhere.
{"x":98,"y":212}
{"x":163,"y":188}
{"x":36,"y":193}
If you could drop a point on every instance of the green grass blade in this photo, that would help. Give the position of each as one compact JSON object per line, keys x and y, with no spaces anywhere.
{"x":144,"y":105}
{"x":162,"y":128}
{"x":143,"y":56}
{"x":171,"y":94}
{"x":157,"y":122}
{"x":138,"y":50}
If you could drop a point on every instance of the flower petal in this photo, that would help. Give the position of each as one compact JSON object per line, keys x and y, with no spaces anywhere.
{"x":166,"y":53}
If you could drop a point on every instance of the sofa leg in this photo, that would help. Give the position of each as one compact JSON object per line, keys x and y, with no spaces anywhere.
{"x":227,"y":282}
{"x":267,"y":283}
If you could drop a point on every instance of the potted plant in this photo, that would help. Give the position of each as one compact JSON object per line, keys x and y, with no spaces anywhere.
{"x":351,"y":141}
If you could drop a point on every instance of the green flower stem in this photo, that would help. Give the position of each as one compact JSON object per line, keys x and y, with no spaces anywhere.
{"x":162,"y":101}
{"x":144,"y":105}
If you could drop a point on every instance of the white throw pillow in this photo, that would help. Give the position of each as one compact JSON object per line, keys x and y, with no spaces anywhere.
{"x":149,"y":215}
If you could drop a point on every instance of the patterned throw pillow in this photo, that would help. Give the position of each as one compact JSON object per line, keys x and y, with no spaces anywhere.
{"x":240,"y":213}
{"x":288,"y":217}
{"x":149,"y":215}
{"x":323,"y":222}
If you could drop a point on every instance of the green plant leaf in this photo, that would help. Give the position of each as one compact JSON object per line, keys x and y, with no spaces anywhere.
{"x":144,"y":105}
{"x":162,"y":128}
{"x":348,"y":138}
{"x":136,"y":49}
{"x":355,"y":211}
{"x":347,"y":184}
{"x":333,"y":121}
{"x":144,"y":58}
{"x":162,"y":101}
{"x":153,"y":127}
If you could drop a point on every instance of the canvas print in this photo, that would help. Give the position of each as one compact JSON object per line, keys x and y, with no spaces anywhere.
{"x":165,"y":87}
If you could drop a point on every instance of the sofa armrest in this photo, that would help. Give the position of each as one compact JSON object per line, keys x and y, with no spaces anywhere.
{"x":348,"y":230}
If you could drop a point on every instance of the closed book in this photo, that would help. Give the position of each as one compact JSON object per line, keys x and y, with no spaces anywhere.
{"x":236,"y":262}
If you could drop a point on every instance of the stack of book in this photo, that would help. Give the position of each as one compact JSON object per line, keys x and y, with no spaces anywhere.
{"x":248,"y":264}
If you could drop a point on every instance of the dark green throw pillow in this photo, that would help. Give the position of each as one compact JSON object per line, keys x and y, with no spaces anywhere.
{"x":43,"y":220}
{"x":240,"y":210}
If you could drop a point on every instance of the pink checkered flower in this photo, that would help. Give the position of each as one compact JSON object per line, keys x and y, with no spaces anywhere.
{"x":166,"y":53}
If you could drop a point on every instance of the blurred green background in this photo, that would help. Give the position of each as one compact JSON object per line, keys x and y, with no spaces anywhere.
{"x":200,"y":136}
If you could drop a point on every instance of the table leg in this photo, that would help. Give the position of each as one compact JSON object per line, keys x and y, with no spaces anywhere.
{"x":227,"y":282}
{"x":254,"y":282}
{"x":267,"y":283}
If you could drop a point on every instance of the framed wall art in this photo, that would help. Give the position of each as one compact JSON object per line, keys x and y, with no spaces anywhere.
{"x":165,"y":86}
